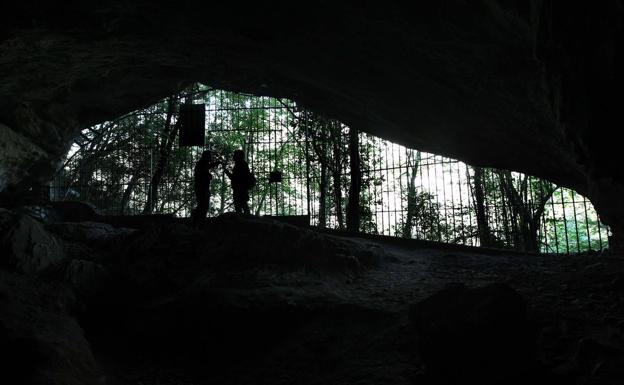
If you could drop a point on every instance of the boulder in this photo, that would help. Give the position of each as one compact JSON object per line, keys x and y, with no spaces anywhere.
{"x":86,"y":277}
{"x":26,"y":246}
{"x":168,"y":254}
{"x":72,"y":211}
{"x":39,"y":342}
{"x":60,"y":211}
{"x":478,"y":335}
{"x":598,"y":362}
{"x":87,"y":232}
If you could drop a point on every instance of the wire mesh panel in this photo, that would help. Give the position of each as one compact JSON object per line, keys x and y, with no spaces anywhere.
{"x":264,"y":129}
{"x":134,"y":165}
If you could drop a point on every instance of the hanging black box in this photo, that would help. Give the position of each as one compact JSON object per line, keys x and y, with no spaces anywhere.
{"x":192,"y":124}
{"x":275,"y":176}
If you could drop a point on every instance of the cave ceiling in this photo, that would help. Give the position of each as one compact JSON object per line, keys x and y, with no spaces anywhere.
{"x":523,"y":85}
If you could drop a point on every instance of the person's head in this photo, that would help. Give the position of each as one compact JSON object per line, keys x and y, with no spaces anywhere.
{"x":207,"y":155}
{"x":239,"y":156}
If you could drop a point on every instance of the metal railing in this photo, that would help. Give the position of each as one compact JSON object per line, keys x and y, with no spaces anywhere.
{"x":404,"y":192}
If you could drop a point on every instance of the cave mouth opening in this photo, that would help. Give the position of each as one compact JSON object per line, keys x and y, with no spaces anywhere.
{"x":138,"y":164}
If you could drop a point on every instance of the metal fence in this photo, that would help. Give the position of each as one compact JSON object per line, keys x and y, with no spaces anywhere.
{"x":404,"y":192}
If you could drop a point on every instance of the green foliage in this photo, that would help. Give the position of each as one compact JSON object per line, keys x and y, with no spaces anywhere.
{"x":112,"y":165}
{"x":426,"y":221}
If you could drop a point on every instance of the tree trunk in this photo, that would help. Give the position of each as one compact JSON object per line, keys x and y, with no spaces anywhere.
{"x":353,"y":206}
{"x":222,"y":192}
{"x":128,"y":191}
{"x":336,"y":172}
{"x":169,"y":135}
{"x":323,"y":197}
{"x":483,"y":228}
{"x":533,"y":215}
{"x":412,"y":169}
{"x":525,"y":217}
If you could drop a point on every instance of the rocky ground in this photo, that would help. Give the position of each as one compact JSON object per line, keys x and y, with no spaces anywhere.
{"x":255,"y":301}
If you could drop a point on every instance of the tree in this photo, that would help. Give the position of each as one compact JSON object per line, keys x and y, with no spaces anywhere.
{"x":327,"y":167}
{"x":166,"y":140}
{"x":479,"y":197}
{"x":525,"y":200}
{"x":411,"y":170}
{"x":353,"y":208}
{"x":328,"y":152}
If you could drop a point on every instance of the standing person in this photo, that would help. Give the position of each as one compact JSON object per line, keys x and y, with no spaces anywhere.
{"x":242,"y":181}
{"x":201,"y":184}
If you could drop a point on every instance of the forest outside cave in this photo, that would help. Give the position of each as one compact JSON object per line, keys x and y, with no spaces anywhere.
{"x":135,"y":165}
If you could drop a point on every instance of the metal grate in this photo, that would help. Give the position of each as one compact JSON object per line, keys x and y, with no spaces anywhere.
{"x":404,"y":192}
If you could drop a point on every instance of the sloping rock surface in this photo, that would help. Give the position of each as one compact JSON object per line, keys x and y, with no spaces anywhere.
{"x":26,"y":246}
{"x":254,"y":301}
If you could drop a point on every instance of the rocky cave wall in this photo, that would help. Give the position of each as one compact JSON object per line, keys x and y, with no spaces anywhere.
{"x":525,"y":85}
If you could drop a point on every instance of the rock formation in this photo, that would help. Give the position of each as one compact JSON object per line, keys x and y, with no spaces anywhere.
{"x":529,"y":86}
{"x":256,"y":301}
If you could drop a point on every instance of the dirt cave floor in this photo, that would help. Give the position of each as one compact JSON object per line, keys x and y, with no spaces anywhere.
{"x":252,"y":301}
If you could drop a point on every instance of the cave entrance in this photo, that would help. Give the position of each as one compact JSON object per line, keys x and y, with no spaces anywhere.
{"x":304,"y":165}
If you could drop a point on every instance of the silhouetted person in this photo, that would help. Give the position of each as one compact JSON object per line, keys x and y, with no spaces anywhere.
{"x":201,"y":184}
{"x":242,"y":181}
